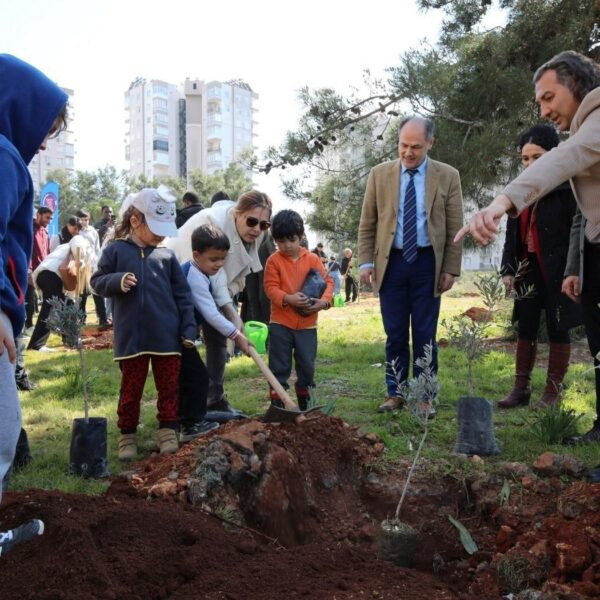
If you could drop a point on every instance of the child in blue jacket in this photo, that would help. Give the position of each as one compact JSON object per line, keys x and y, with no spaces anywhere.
{"x":32,"y":109}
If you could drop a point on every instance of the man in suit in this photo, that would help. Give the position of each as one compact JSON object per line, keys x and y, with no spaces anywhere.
{"x":411,"y":211}
{"x":567,"y":88}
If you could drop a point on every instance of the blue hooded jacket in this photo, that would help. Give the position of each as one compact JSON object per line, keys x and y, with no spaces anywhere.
{"x":29,"y":105}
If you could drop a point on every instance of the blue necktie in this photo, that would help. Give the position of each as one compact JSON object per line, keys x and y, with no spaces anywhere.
{"x":409,"y":231}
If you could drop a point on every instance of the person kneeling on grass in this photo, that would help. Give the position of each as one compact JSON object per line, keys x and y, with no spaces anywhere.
{"x":32,"y":109}
{"x":293,"y":324}
{"x":210,"y":247}
{"x":152,"y":314}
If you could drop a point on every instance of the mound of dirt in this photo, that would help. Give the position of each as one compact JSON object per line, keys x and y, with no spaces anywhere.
{"x":94,"y":338}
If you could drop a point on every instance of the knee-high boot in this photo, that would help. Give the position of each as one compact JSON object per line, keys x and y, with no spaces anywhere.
{"x":524,"y":361}
{"x":558,"y":364}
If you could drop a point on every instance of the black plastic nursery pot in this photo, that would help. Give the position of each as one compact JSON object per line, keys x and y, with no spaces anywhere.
{"x":397,"y":541}
{"x":88,"y":454}
{"x":475,"y":427}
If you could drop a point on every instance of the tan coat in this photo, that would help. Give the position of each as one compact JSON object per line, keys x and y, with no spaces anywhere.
{"x":379,"y":217}
{"x":577,"y":159}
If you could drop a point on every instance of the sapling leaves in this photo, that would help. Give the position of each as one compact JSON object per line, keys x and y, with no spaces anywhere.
{"x":465,"y":537}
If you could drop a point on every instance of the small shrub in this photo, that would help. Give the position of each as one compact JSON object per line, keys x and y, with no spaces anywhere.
{"x":73,"y":385}
{"x":513,"y":574}
{"x":313,"y":401}
{"x":554,"y":424}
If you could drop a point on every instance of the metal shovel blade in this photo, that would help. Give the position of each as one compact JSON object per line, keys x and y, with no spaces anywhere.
{"x":275,"y":414}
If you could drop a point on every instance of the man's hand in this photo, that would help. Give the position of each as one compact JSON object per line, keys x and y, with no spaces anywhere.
{"x":297,"y":300}
{"x":483,"y":226}
{"x":570,"y":287}
{"x":367,"y":275}
{"x":445,"y":283}
{"x":509,"y":283}
{"x":6,"y":341}
{"x":243,"y":343}
{"x":129,"y":282}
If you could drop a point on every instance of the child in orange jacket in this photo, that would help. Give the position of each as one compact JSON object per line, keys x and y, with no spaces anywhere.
{"x":293,"y":323}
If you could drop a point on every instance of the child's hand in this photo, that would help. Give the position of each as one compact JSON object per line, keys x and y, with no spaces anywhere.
{"x":243,"y":343}
{"x":297,"y":300}
{"x":187,"y":343}
{"x":316,"y":306}
{"x":129,"y":281}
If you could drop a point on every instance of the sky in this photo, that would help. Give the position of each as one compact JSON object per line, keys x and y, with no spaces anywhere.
{"x":99,"y":48}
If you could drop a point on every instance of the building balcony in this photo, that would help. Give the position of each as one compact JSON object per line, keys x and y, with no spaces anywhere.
{"x":214,"y":118}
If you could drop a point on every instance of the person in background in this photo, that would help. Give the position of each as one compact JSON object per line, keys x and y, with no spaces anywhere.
{"x":191,"y":205}
{"x":107,"y":220}
{"x":153,"y":314}
{"x":293,"y":323}
{"x":91,"y":235}
{"x":539,"y":238}
{"x":32,"y":110}
{"x":346,"y":272}
{"x":218,"y":196}
{"x":335,"y":271}
{"x":256,"y":306}
{"x":72,"y":227}
{"x":320,"y":252}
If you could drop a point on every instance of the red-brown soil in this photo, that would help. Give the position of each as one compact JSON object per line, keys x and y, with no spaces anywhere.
{"x":314,"y":496}
{"x":97,"y":339}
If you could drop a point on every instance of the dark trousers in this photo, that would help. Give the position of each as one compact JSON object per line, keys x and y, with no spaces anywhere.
{"x":52,"y":287}
{"x":530,"y":308}
{"x":216,"y":359}
{"x":300,"y":345}
{"x":165,"y":369}
{"x":351,"y":288}
{"x":99,"y":305}
{"x":590,"y":297}
{"x":193,"y":387}
{"x":30,"y":305}
{"x":407,"y":301}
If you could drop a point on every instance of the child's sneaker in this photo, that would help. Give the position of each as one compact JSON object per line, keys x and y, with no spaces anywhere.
{"x":20,"y":534}
{"x":167,"y":440}
{"x":191,"y":432}
{"x":127,"y":446}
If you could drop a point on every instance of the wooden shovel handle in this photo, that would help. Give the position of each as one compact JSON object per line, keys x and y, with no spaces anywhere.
{"x":287,"y":401}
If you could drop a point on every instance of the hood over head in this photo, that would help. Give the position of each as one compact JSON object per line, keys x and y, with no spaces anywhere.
{"x":29,"y":105}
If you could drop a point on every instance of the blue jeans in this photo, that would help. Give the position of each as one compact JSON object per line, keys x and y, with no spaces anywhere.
{"x":10,"y":410}
{"x":407,"y":301}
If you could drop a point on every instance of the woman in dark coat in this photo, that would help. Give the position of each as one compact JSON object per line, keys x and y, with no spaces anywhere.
{"x":540,"y":236}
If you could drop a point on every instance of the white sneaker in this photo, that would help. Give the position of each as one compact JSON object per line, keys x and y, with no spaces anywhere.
{"x":46,"y":349}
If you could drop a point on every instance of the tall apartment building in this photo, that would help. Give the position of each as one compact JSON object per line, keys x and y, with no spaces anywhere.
{"x":59,"y":153}
{"x":175,"y":131}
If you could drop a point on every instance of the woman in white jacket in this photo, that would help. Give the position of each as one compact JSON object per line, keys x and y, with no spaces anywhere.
{"x":47,"y":278}
{"x":244,"y":222}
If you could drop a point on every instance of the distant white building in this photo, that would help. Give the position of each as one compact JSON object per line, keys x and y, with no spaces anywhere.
{"x":175,"y":130}
{"x":482,"y":258}
{"x":59,"y":153}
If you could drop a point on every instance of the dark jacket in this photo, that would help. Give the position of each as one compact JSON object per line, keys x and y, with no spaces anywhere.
{"x":346,"y":266}
{"x":554,"y":215}
{"x":29,"y":105}
{"x":153,"y":316}
{"x":185,"y":213}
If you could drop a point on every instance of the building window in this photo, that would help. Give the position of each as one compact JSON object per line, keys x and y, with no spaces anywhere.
{"x":194,"y":86}
{"x":160,"y":145}
{"x":159,"y":103}
{"x":160,"y":90}
{"x":161,"y":117}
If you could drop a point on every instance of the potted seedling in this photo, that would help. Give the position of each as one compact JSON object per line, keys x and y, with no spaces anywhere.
{"x":469,"y":334}
{"x":398,"y":538}
{"x":87,"y":456}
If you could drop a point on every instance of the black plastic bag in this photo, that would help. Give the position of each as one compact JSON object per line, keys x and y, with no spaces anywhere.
{"x":475,"y":427}
{"x":314,"y":285}
{"x":88,"y":448}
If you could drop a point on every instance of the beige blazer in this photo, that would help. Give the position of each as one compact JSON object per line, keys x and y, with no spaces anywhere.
{"x":379,"y":217}
{"x":577,"y":159}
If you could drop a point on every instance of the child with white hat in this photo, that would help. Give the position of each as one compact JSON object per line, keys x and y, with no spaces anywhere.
{"x":152,"y":313}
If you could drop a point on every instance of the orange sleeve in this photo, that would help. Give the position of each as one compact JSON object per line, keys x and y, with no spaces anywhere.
{"x":272,"y":281}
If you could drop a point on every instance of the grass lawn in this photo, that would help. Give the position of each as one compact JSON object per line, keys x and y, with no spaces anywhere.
{"x":350,"y":368}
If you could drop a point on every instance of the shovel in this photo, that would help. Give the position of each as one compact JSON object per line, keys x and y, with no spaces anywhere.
{"x":291,"y":413}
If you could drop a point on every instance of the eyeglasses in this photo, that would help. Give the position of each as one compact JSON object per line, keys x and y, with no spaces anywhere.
{"x":253,"y":222}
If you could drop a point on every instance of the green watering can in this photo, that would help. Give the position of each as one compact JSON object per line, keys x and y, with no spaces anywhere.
{"x":338,"y":301}
{"x":257,"y":333}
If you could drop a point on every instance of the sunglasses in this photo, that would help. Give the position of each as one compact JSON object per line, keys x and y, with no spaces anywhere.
{"x":253,"y":222}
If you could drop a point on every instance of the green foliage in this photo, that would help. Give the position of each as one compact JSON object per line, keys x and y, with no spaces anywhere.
{"x":314,"y":400}
{"x":73,"y":385}
{"x":554,"y":424}
{"x":66,"y":319}
{"x":465,"y":537}
{"x":513,"y":574}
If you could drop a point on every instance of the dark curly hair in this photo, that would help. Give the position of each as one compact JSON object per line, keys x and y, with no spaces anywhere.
{"x":573,"y":70}
{"x":543,"y":136}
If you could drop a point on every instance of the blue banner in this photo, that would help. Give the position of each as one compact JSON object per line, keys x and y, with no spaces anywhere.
{"x":49,"y":196}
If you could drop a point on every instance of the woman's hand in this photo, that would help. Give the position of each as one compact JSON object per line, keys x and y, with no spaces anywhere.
{"x":6,"y":341}
{"x":297,"y":300}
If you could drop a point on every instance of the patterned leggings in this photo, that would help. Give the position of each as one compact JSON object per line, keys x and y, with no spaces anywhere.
{"x":134,"y":372}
